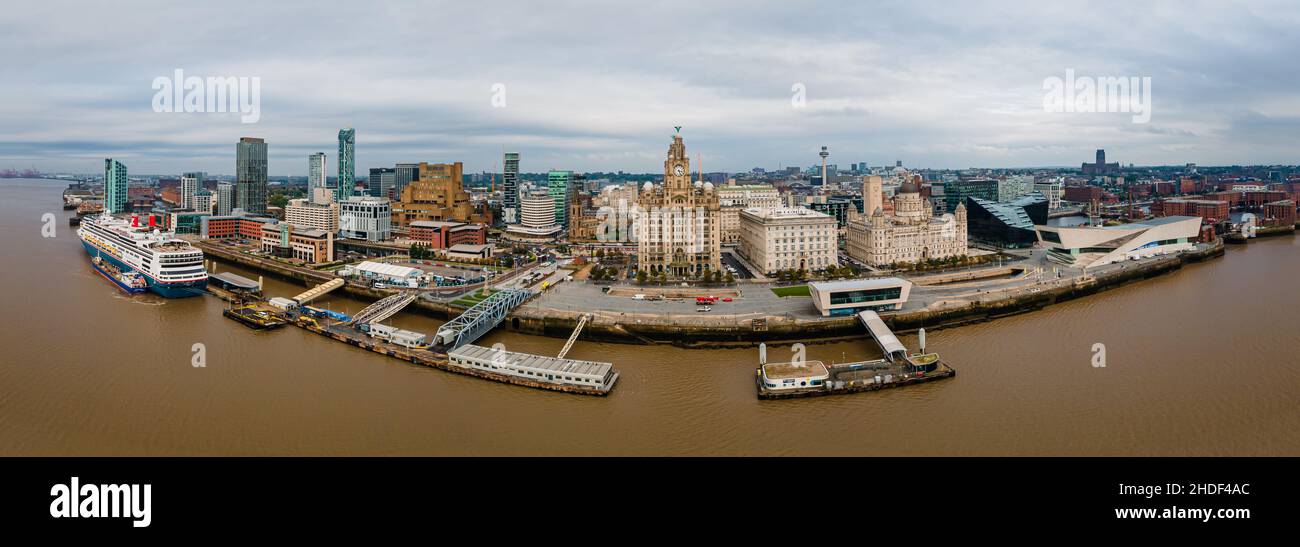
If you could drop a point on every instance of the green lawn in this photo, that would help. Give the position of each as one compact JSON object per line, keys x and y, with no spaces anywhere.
{"x":797,"y":290}
{"x":471,"y":298}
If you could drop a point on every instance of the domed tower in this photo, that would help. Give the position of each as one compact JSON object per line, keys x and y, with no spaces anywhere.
{"x":908,"y":204}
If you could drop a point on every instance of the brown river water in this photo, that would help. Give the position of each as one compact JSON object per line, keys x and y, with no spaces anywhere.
{"x":1202,"y":361}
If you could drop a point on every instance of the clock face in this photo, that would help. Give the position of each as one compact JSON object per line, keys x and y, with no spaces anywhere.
{"x":678,"y":170}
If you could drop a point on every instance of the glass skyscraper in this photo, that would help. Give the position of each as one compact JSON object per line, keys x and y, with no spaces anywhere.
{"x":315,"y":174}
{"x":560,"y":186}
{"x":510,"y":187}
{"x":347,"y":164}
{"x":114,"y":186}
{"x":404,"y":175}
{"x":250,"y":175}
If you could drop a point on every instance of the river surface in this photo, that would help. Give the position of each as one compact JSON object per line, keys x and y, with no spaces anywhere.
{"x":1202,"y":361}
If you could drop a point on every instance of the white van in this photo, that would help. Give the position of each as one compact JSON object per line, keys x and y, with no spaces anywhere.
{"x":638,"y":297}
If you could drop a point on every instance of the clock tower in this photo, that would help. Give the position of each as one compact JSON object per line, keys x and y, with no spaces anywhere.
{"x":677,"y":168}
{"x":679,"y":228}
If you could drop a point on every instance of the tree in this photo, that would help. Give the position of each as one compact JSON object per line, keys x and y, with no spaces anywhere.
{"x":730,"y":278}
{"x":600,"y":253}
{"x":663,"y":278}
{"x":641,"y":277}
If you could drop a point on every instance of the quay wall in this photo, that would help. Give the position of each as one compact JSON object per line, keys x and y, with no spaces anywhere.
{"x":749,"y":330}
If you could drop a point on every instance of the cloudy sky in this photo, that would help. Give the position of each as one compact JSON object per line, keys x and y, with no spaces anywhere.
{"x":599,"y":85}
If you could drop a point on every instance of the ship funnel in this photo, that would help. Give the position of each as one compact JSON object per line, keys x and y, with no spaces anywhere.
{"x":921,"y":334}
{"x":762,"y":354}
{"x":135,"y":221}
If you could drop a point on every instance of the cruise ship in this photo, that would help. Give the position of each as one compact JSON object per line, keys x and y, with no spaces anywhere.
{"x":171,"y":267}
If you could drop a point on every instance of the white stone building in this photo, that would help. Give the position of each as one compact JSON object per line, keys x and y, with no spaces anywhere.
{"x":734,"y":198}
{"x":911,"y":233}
{"x":788,"y":238}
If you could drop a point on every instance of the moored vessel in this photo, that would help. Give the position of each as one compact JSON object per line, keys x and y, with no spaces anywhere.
{"x":170,"y":267}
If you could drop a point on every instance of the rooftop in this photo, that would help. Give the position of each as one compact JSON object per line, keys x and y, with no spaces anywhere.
{"x":858,"y":284}
{"x":806,"y":369}
{"x":536,"y":362}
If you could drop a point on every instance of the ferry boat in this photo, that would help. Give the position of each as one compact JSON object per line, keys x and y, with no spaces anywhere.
{"x":131,"y":282}
{"x":171,"y":267}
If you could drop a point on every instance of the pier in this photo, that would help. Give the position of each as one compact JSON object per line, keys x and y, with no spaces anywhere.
{"x":814,"y":378}
{"x":364,"y":331}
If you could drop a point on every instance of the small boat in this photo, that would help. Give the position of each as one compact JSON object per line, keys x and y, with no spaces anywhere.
{"x":131,"y":282}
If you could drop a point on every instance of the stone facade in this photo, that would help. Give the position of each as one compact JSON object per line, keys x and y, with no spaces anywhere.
{"x":679,"y":230}
{"x":910,"y":233}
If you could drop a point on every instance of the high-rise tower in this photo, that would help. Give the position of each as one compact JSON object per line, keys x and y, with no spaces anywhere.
{"x":250,"y":175}
{"x":114,"y":186}
{"x":347,"y":164}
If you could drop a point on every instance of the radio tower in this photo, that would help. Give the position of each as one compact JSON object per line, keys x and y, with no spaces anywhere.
{"x":824,"y":154}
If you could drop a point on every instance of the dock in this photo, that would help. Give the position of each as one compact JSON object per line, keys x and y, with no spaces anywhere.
{"x":450,"y":350}
{"x":814,"y":378}
{"x":433,"y":359}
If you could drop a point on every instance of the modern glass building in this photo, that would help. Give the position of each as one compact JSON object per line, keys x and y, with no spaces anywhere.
{"x":347,"y":164}
{"x":114,"y":186}
{"x":381,"y":182}
{"x":510,"y":187}
{"x":1009,"y":225}
{"x":560,"y":186}
{"x":956,"y":191}
{"x":851,"y":296}
{"x":315,"y":174}
{"x":250,"y":175}
{"x":404,"y":174}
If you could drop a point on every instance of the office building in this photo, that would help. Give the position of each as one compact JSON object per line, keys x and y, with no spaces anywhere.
{"x":560,"y":187}
{"x":908,"y":233}
{"x":680,"y":229}
{"x":1006,"y":224}
{"x":404,"y":175}
{"x":285,"y":240}
{"x":381,"y":182}
{"x":437,"y":194}
{"x":1014,"y":187}
{"x":734,"y":198}
{"x":436,"y":234}
{"x":536,"y":218}
{"x":956,"y":192}
{"x":788,"y":238}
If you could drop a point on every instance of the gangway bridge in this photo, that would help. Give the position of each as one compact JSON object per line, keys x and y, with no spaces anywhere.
{"x":894,"y":350}
{"x":574,"y":337}
{"x":318,"y":290}
{"x":384,"y":308}
{"x":479,"y":318}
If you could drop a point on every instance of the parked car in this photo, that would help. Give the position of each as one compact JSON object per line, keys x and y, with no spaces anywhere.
{"x":704,"y":309}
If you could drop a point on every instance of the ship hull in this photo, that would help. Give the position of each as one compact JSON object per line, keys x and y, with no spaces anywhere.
{"x":166,"y":290}
{"x":117,"y":281}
